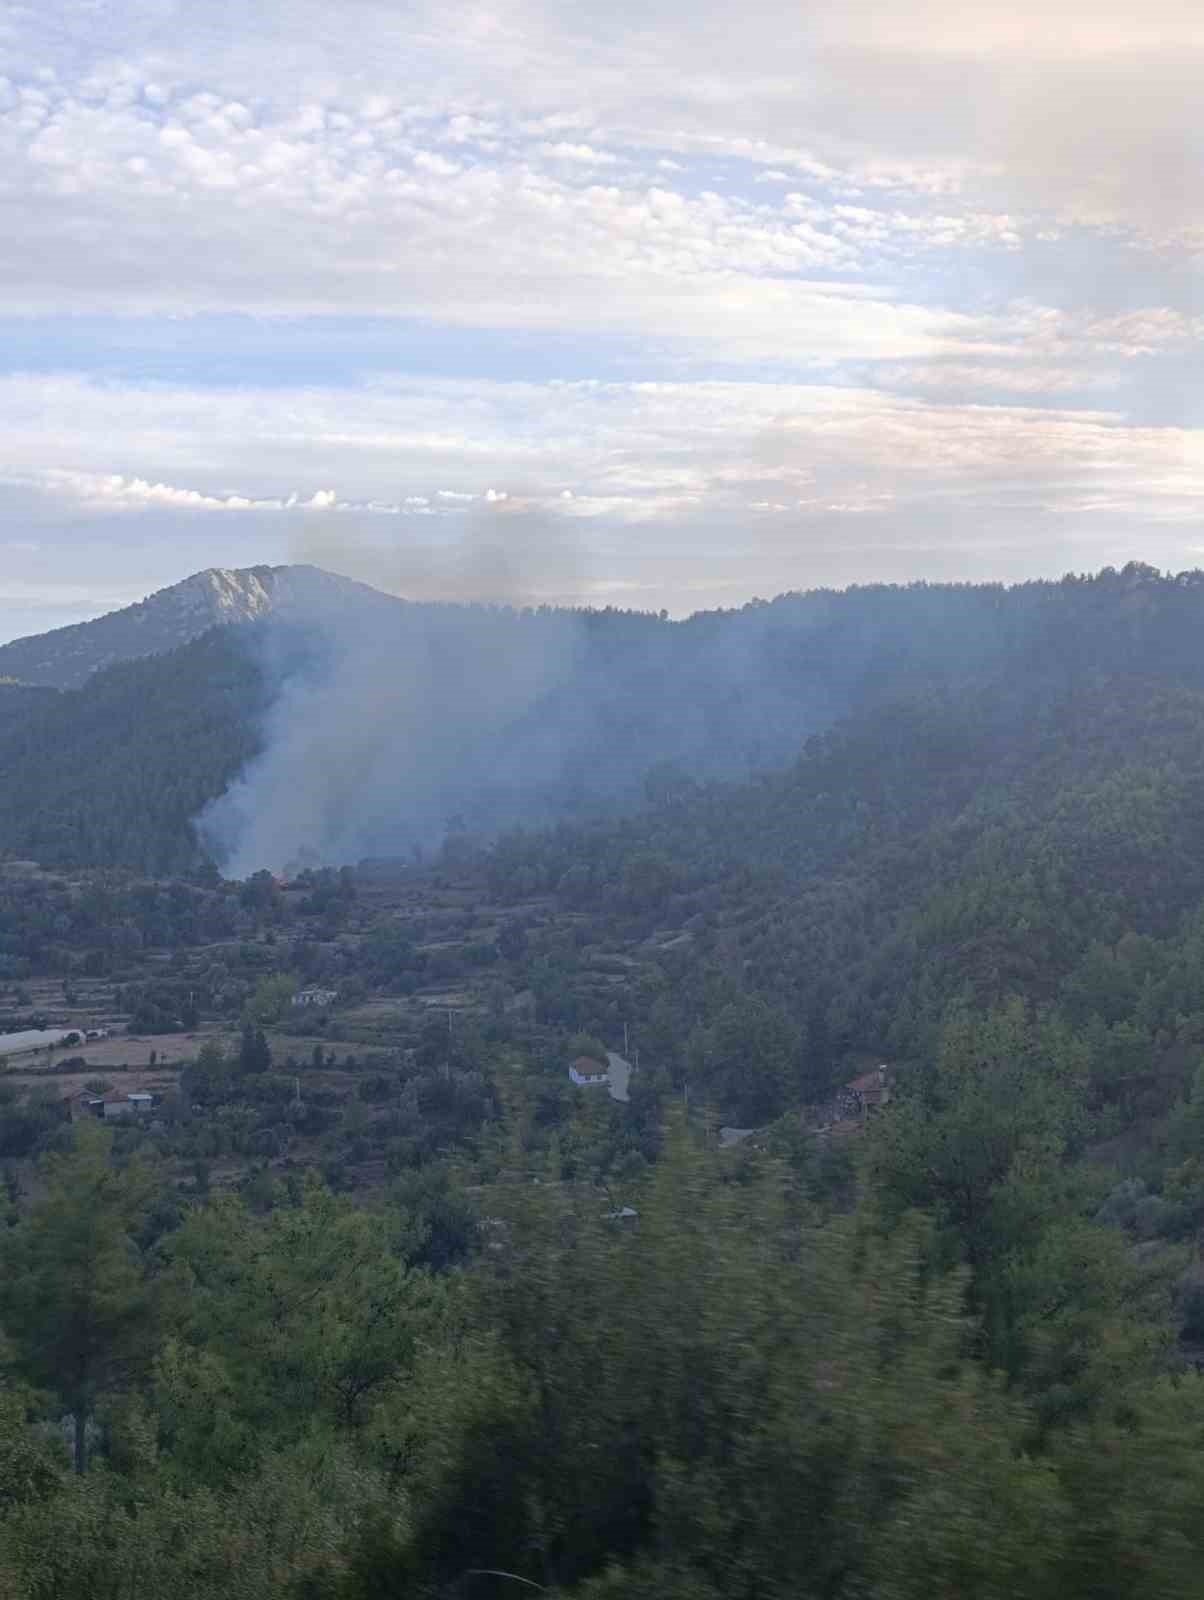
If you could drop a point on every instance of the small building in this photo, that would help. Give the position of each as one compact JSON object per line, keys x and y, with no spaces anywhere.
{"x":315,"y":996}
{"x":625,"y":1216}
{"x":869,"y":1092}
{"x":138,"y":1104}
{"x":585,"y":1072}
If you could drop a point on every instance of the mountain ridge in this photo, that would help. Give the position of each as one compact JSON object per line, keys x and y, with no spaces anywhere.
{"x":345,"y":731}
{"x":65,"y":658}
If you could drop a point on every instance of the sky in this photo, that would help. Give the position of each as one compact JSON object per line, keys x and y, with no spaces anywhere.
{"x":654,"y":305}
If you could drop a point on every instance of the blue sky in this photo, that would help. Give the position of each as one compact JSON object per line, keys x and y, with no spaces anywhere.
{"x":658,"y":305}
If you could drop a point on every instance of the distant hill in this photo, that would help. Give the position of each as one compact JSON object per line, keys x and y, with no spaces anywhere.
{"x":66,"y":657}
{"x":339,"y":723}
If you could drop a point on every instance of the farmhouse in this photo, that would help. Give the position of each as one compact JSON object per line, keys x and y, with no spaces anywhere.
{"x":869,"y":1091}
{"x":585,"y":1071}
{"x":315,"y":997}
{"x":138,"y":1104}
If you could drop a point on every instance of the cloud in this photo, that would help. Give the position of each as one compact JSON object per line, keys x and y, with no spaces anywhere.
{"x":652,"y":447}
{"x":1075,"y":105}
{"x":114,"y":492}
{"x":751,"y":298}
{"x":581,"y":154}
{"x":665,"y":492}
{"x":111,"y":491}
{"x":321,"y":211}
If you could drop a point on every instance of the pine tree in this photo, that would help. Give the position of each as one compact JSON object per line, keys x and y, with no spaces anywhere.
{"x":254,"y":1052}
{"x":77,"y":1298}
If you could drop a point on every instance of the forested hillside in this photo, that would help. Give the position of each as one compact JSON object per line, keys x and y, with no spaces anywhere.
{"x":112,"y":774}
{"x":364,"y":730}
{"x":949,"y":851}
{"x":19,"y":702}
{"x":378,"y":1301}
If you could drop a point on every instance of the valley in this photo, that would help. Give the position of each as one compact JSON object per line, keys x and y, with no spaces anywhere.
{"x":465,"y":1155}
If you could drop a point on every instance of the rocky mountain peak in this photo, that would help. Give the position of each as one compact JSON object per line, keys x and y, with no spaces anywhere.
{"x":65,"y":657}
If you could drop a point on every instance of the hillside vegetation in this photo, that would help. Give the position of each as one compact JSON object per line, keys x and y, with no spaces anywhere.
{"x":377,"y":1302}
{"x":113,"y":773}
{"x":363,"y":730}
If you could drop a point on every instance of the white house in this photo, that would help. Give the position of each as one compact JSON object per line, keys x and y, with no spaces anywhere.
{"x":585,"y":1071}
{"x":138,"y":1104}
{"x":315,"y":997}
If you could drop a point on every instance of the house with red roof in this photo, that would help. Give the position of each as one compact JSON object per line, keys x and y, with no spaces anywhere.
{"x":585,"y":1072}
{"x":870,"y":1091}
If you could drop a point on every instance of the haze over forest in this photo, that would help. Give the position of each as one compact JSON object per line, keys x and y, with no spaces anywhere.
{"x":326,"y":722}
{"x":601,"y":800}
{"x":776,"y":1168}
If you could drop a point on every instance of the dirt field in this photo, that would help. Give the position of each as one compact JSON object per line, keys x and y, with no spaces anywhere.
{"x":285,"y":1044}
{"x":68,"y":1084}
{"x":381,"y":1011}
{"x":171,"y":1049}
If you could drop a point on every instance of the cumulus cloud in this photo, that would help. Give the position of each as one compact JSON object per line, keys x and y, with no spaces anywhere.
{"x":111,"y":491}
{"x":315,"y":211}
{"x":741,"y":298}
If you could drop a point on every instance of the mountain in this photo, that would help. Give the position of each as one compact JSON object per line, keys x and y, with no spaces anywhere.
{"x":341,"y":723}
{"x":66,"y":657}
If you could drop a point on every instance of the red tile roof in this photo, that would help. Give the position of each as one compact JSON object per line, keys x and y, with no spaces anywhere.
{"x":869,"y":1081}
{"x":586,"y":1066}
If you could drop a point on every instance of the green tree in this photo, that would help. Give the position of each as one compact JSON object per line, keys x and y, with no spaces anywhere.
{"x":749,"y":1060}
{"x":207,"y":1079}
{"x":584,"y":1044}
{"x":270,"y":998}
{"x":79,"y":1298}
{"x":254,"y":1052}
{"x":729,"y":1401}
{"x":982,"y":1141}
{"x":298,"y":1318}
{"x":648,"y":880}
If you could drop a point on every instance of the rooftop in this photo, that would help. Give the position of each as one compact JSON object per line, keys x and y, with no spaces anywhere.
{"x":587,"y":1066}
{"x":869,"y":1080}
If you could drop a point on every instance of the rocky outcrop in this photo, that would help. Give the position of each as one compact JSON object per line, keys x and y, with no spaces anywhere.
{"x":66,"y":657}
